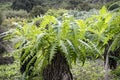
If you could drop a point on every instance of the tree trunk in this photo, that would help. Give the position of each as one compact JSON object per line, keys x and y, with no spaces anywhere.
{"x":106,"y":68}
{"x":110,"y":59}
{"x":58,"y":69}
{"x":107,"y":60}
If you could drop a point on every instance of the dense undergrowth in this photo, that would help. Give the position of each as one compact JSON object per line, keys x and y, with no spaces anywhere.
{"x":10,"y":71}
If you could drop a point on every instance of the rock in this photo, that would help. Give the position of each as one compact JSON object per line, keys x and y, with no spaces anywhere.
{"x":6,"y":60}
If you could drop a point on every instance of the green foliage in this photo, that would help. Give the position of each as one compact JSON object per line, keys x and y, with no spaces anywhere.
{"x":113,"y":5}
{"x":83,"y":14}
{"x":116,"y":73}
{"x":92,"y":70}
{"x":22,"y":4}
{"x":38,"y":10}
{"x":11,"y":71}
{"x":56,"y":13}
{"x":44,"y":41}
{"x":14,"y":13}
{"x":5,"y":6}
{"x":76,"y":39}
{"x":3,"y":1}
{"x":106,"y":25}
{"x":56,"y":4}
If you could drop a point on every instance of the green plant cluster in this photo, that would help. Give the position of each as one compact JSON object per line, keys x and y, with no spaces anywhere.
{"x":41,"y":43}
{"x":76,"y":38}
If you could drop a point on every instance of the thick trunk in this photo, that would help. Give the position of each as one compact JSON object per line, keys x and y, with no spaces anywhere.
{"x":106,"y":68}
{"x":58,"y":69}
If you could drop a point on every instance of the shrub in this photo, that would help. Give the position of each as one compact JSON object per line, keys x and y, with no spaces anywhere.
{"x":116,"y":72}
{"x":5,"y":6}
{"x":8,"y":23}
{"x":22,"y":4}
{"x":38,"y":10}
{"x":55,"y":12}
{"x":14,"y":13}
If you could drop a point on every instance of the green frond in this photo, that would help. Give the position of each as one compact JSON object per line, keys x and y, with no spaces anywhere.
{"x":24,"y":54}
{"x":64,"y":49}
{"x":95,"y":48}
{"x":85,"y":44}
{"x":72,"y":51}
{"x":47,"y":20}
{"x":116,"y":43}
{"x":30,"y":65}
{"x":39,"y":41}
{"x":40,"y":64}
{"x":71,"y":45}
{"x":52,"y":50}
